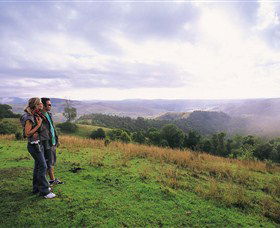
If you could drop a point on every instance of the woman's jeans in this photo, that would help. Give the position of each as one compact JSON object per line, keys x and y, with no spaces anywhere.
{"x":40,"y":183}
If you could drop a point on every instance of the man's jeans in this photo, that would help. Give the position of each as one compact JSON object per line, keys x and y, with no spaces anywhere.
{"x":40,"y":183}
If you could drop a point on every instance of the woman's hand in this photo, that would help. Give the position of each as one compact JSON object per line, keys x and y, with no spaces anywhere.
{"x":39,"y":120}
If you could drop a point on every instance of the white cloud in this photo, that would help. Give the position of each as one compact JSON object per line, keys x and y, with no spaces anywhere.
{"x":267,"y":15}
{"x":224,"y":61}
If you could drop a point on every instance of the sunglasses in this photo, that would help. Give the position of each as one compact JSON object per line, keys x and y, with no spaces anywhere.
{"x":49,"y":105}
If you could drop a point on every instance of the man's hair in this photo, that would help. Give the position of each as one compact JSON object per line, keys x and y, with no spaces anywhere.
{"x":44,"y":100}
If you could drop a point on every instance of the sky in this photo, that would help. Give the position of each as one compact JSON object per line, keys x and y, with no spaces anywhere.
{"x":114,"y":50}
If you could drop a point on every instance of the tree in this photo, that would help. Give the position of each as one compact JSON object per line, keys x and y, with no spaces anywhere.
{"x":221,"y":149}
{"x":263,"y":151}
{"x":119,"y":135}
{"x":214,"y":143}
{"x":229,"y":146}
{"x":115,"y":134}
{"x":192,"y":140}
{"x":206,"y":145}
{"x":173,"y":135}
{"x":70,"y":112}
{"x":275,"y":154}
{"x":124,"y":137}
{"x":6,"y":112}
{"x":98,"y":134}
{"x":138,"y":137}
{"x":154,"y":136}
{"x":249,"y":139}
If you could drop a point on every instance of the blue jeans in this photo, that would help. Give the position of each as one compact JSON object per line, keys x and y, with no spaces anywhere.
{"x":40,"y":183}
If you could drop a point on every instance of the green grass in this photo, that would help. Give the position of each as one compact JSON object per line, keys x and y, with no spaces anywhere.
{"x":111,"y":190}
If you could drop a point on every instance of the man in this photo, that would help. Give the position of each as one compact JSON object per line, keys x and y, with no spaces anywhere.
{"x":49,"y":140}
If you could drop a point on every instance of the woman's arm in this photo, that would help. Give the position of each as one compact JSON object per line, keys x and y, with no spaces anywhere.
{"x":28,"y":127}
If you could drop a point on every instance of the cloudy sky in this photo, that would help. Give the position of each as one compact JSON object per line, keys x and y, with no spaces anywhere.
{"x":143,"y":49}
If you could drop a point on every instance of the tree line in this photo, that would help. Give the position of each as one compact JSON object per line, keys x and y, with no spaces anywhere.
{"x":219,"y":144}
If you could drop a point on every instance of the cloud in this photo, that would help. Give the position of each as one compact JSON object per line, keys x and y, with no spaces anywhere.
{"x":147,"y":49}
{"x":268,"y":24}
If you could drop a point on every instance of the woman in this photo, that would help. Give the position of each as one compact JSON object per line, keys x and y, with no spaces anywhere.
{"x":31,"y":121}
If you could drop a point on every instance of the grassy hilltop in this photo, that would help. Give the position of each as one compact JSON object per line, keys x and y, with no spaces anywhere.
{"x":136,"y":185}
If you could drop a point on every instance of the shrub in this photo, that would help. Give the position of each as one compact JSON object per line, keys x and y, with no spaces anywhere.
{"x":67,"y":127}
{"x":115,"y":134}
{"x":124,"y":137}
{"x":107,"y":142}
{"x":98,"y":134}
{"x":18,"y":135}
{"x":7,"y":127}
{"x":163,"y":143}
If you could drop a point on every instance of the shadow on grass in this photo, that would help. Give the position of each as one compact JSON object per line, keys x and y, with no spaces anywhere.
{"x":15,"y":193}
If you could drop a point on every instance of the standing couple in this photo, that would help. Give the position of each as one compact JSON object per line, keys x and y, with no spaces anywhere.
{"x":42,"y":142}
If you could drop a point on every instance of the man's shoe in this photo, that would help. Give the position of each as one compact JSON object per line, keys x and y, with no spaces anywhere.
{"x":50,"y":196}
{"x":58,"y":181}
{"x":55,"y":181}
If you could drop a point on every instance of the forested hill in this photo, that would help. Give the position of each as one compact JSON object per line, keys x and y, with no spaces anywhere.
{"x":248,"y":116}
{"x":203,"y":122}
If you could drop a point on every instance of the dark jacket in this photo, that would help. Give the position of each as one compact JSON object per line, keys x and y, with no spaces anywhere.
{"x":46,"y":134}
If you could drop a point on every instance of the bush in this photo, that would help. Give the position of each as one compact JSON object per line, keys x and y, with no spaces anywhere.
{"x":7,"y":127}
{"x":98,"y":134}
{"x":163,"y":143}
{"x":119,"y":135}
{"x":115,"y":134}
{"x":18,"y":135}
{"x":107,"y":142}
{"x":125,"y":137}
{"x":67,"y":127}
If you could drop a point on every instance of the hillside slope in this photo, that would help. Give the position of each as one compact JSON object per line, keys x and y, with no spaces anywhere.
{"x":85,"y":130}
{"x":133,"y":185}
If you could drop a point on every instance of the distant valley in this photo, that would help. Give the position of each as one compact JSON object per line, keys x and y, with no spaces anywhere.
{"x":254,"y":116}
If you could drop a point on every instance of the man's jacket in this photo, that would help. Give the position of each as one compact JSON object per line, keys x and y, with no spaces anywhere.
{"x":45,"y":134}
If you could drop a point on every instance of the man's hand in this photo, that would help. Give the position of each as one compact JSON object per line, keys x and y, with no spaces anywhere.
{"x":58,"y":144}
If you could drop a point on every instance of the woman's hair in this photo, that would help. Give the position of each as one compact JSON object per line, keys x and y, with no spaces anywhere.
{"x":32,"y":103}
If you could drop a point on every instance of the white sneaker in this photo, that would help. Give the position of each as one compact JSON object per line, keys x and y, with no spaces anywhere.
{"x":50,"y":195}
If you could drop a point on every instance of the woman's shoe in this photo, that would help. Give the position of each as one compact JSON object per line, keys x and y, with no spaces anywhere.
{"x":50,"y":196}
